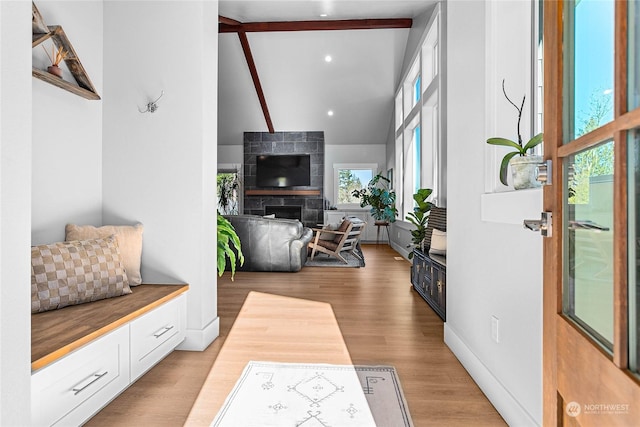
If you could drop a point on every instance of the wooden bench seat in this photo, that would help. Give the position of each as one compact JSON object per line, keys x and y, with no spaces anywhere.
{"x":56,"y":333}
{"x":84,"y":355}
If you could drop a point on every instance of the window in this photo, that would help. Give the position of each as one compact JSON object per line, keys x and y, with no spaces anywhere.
{"x":412,"y":90}
{"x":430,"y":56}
{"x":349,"y":177}
{"x":398,"y":185}
{"x":416,"y":158}
{"x":412,"y":165}
{"x":420,"y":157}
{"x":399,"y":110}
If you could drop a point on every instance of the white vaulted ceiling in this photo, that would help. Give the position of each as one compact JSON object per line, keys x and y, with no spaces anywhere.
{"x":300,"y":87}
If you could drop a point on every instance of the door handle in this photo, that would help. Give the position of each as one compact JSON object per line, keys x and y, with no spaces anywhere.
{"x":543,"y":225}
{"x":586,"y":225}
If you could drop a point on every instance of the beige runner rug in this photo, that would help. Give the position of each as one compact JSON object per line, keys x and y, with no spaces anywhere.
{"x":315,"y":395}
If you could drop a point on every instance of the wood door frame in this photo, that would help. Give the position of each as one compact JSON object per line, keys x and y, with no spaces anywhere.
{"x":576,"y":346}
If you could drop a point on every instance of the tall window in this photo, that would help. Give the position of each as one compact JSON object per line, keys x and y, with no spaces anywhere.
{"x":398,"y":185}
{"x":417,"y":158}
{"x":416,"y":90}
{"x":419,"y":152}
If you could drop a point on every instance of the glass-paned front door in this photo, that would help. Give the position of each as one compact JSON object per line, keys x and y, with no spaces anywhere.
{"x":589,"y":61}
{"x":588,"y":270}
{"x":634,"y":250}
{"x":633,"y":138}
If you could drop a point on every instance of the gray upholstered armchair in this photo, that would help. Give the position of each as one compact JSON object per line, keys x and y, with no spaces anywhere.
{"x":271,"y":244}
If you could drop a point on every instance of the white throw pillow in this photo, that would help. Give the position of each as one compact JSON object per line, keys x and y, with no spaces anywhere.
{"x":129,"y":239}
{"x":438,"y":242}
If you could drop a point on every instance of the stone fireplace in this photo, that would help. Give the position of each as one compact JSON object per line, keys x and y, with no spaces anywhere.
{"x":306,"y":201}
{"x":291,"y":212}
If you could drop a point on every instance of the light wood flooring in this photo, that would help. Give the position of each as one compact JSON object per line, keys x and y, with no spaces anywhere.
{"x":383,"y":321}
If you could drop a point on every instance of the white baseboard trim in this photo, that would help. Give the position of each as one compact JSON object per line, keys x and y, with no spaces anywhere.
{"x":401,"y":250}
{"x":508,"y":407}
{"x":199,"y":339}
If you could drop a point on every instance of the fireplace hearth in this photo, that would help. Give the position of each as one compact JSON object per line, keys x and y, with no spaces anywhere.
{"x":291,"y":212}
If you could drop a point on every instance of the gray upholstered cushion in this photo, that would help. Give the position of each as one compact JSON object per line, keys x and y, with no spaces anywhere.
{"x":68,"y":273}
{"x":276,"y":244}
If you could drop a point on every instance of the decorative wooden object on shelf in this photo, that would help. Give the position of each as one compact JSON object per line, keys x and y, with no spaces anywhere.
{"x":429,"y":279}
{"x":41,"y":33}
{"x":315,"y":192}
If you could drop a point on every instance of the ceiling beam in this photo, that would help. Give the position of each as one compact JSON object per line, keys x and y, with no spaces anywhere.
{"x":228,"y":21}
{"x":326,"y":25}
{"x":256,"y":80}
{"x":228,"y":25}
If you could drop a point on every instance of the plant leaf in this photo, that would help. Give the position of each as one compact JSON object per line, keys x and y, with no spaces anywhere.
{"x":504,"y":166}
{"x":505,"y":143}
{"x":228,"y":244}
{"x":536,"y":140}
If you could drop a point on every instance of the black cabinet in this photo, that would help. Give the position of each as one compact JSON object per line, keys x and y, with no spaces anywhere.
{"x":429,"y":279}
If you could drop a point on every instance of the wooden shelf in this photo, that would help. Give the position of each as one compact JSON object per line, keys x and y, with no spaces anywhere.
{"x":315,"y":192}
{"x":41,"y":33}
{"x":58,"y":81}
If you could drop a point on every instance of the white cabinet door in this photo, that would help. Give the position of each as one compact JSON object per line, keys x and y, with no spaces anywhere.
{"x":71,"y":390}
{"x":156,"y":334}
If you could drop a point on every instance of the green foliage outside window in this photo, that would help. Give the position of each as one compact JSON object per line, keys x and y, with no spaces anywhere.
{"x":594,"y":162}
{"x":348,"y":183}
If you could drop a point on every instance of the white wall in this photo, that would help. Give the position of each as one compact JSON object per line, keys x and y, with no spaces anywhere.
{"x":374,"y":153}
{"x":160,"y":168}
{"x":67,"y":131}
{"x":493,"y":268}
{"x":15,"y":213}
{"x":230,"y":154}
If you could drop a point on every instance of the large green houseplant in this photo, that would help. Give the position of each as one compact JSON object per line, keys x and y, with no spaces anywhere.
{"x":523,"y":167}
{"x":419,"y":218}
{"x":228,"y":246}
{"x":380,"y":198}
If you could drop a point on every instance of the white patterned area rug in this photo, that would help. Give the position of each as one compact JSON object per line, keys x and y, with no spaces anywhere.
{"x":315,"y":395}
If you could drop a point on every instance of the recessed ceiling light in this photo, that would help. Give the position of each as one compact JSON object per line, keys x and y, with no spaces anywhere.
{"x":323,"y":15}
{"x":330,"y":113}
{"x":328,"y":58}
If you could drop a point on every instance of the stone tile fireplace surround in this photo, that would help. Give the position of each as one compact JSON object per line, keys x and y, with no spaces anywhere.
{"x":308,"y":199}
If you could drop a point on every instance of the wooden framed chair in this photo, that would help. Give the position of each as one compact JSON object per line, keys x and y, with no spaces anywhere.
{"x":346,"y":239}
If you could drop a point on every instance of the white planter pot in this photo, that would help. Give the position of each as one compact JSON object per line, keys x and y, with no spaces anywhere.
{"x":523,"y":171}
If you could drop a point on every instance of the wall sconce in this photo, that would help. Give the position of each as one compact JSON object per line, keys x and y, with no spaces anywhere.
{"x":152,"y":106}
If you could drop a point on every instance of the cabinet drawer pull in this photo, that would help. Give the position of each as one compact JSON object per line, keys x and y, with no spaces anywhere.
{"x":92,"y":379}
{"x":163,"y":331}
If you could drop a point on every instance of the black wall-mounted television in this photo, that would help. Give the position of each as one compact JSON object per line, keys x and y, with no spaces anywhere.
{"x":283,"y":170}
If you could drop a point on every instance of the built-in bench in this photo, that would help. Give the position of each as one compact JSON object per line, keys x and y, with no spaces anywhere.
{"x":83,"y":356}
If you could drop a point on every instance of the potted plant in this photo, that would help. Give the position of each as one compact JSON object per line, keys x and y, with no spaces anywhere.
{"x":419,"y":218}
{"x":228,"y":185}
{"x":228,"y":246}
{"x":57,"y":56}
{"x":523,"y":167}
{"x":380,"y":197}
